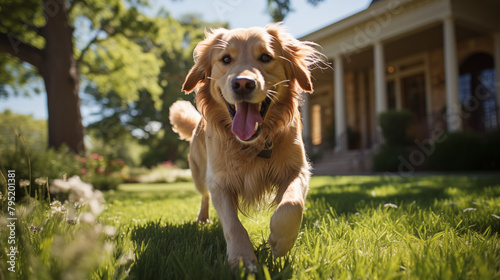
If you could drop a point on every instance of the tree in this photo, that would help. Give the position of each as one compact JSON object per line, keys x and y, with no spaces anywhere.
{"x":13,"y":126}
{"x":46,"y":38}
{"x":174,"y":47}
{"x":279,"y":9}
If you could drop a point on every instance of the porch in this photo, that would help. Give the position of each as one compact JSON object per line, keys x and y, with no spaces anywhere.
{"x":436,"y":59}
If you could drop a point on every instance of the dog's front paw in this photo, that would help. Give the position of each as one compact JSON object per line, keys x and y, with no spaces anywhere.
{"x":285,"y":226}
{"x":203,"y":220}
{"x":247,"y":256}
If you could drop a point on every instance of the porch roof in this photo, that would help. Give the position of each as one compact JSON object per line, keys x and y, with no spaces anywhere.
{"x":404,"y":26}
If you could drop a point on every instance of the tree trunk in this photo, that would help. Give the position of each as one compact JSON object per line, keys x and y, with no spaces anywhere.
{"x":60,"y":73}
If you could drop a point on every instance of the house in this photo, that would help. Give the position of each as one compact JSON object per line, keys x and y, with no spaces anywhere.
{"x":435,"y":58}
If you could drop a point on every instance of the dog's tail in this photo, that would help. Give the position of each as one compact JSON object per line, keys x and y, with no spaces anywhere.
{"x":184,"y":118}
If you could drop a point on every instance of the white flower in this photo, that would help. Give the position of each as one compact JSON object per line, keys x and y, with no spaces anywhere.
{"x":87,"y":218}
{"x":109,"y":230}
{"x":96,"y":207}
{"x":81,"y":191}
{"x":469,"y":209}
{"x":60,"y":186}
{"x":57,"y":208}
{"x":81,"y":194}
{"x":41,"y":181}
{"x":390,"y":205}
{"x":24,"y":183}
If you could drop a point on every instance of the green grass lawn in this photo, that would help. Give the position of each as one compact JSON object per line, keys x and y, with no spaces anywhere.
{"x":355,"y":227}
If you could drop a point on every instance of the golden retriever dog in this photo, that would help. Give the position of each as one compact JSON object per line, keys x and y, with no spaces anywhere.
{"x":247,"y":142}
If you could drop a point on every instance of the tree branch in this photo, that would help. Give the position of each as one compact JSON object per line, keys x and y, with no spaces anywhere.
{"x":36,"y":29}
{"x":10,"y":43}
{"x":104,"y":28}
{"x":72,"y":6}
{"x":87,"y":47}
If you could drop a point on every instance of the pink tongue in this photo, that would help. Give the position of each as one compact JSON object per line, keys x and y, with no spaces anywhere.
{"x":244,"y":120}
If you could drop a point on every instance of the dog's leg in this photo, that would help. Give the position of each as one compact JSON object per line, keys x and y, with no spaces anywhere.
{"x":286,"y":220}
{"x":203,"y":213}
{"x":198,"y":169}
{"x":238,"y":243}
{"x":205,"y":199}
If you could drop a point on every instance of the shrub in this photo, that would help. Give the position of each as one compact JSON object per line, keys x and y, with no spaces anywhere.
{"x":460,"y":151}
{"x":492,"y":150}
{"x":166,"y":173}
{"x":397,"y":127}
{"x":29,"y":166}
{"x":387,"y":158}
{"x":105,"y":182}
{"x":57,"y":163}
{"x":104,"y":174}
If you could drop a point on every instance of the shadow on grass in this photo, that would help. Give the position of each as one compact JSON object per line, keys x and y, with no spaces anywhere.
{"x":153,"y":196}
{"x":185,"y":251}
{"x":193,"y":251}
{"x":347,"y":196}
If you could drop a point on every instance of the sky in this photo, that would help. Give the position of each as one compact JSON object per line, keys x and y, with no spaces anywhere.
{"x":304,"y":19}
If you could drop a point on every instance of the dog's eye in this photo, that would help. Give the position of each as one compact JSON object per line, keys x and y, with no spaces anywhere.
{"x":265,"y":58}
{"x":226,"y":59}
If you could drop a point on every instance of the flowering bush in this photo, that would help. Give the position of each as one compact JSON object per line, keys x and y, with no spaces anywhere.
{"x":98,"y":164}
{"x":63,"y":239}
{"x":104,"y":174}
{"x":166,"y":173}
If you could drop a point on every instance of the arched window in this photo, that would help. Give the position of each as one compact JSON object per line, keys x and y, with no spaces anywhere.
{"x":478,"y":92}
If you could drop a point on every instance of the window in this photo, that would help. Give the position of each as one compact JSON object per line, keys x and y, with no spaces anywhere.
{"x":478,"y":93}
{"x":316,"y":124}
{"x":487,"y":79}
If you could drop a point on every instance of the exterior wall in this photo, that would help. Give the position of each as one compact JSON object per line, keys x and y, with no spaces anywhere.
{"x":436,"y":69}
{"x":323,"y":96}
{"x":481,"y":44}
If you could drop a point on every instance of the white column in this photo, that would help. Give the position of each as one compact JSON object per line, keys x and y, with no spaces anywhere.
{"x":363,"y":101}
{"x":306,"y":120}
{"x":399,"y":93}
{"x":380,"y":86}
{"x":339,"y":95}
{"x":453,"y":107}
{"x":496,"y":45}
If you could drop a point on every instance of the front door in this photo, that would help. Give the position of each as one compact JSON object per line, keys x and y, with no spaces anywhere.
{"x":414,"y":100}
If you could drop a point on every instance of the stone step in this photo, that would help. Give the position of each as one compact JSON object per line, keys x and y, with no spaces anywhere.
{"x":345,"y":163}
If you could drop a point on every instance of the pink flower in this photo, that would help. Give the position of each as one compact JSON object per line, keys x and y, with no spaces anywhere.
{"x":84,"y":160}
{"x":83,"y":171}
{"x":95,"y":156}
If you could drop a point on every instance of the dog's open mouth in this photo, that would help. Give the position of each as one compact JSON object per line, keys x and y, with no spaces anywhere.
{"x":248,"y":118}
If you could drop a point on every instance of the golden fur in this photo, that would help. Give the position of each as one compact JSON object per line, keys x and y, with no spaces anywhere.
{"x":228,"y":169}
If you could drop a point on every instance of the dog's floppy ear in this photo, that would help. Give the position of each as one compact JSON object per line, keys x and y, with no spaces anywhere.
{"x":202,"y":60}
{"x":196,"y":74}
{"x":298,"y":56}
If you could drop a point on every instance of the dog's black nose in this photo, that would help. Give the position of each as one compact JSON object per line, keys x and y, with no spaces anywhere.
{"x":243,"y":85}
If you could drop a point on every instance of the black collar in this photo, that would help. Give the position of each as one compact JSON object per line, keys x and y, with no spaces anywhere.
{"x":267,"y":151}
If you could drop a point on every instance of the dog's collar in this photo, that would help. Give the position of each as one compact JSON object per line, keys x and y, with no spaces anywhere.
{"x":268,"y":149}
